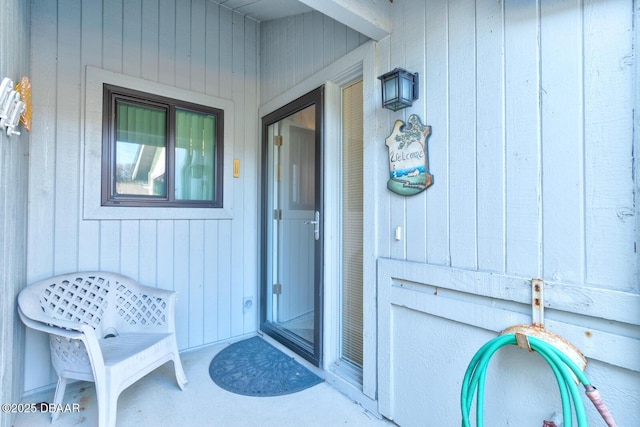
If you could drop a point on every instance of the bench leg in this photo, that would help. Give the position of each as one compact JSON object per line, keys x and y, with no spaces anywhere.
{"x":57,"y":398}
{"x":181,"y":377}
{"x":107,"y":407}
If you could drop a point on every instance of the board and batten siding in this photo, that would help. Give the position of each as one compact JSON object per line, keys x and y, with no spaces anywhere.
{"x":534,"y":159}
{"x":294,"y":48}
{"x":14,"y":171}
{"x":531,"y":108}
{"x":194,"y":45}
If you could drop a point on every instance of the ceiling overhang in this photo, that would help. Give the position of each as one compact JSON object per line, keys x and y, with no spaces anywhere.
{"x":369,"y":17}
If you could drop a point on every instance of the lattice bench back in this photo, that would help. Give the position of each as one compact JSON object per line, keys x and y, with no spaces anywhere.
{"x":140,"y":309}
{"x":103,"y":302}
{"x":80,"y":300}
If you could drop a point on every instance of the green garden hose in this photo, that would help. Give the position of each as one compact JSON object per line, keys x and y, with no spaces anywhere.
{"x":562,"y":366}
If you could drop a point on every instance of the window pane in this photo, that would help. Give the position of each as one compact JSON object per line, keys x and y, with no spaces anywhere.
{"x":195,"y":156}
{"x":140,"y":150}
{"x":159,"y":151}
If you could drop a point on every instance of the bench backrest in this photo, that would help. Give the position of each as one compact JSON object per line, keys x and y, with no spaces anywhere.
{"x":80,"y":299}
{"x":108,"y":302}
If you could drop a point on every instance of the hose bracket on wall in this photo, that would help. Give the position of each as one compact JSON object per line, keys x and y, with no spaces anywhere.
{"x":566,"y":361}
{"x":523,"y":332}
{"x":537,"y":330}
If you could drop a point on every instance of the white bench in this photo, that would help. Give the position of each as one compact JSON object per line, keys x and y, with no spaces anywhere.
{"x":105,"y":328}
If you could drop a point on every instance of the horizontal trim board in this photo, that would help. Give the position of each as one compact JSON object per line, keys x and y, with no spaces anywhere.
{"x":594,"y":344}
{"x":588,"y":301}
{"x":494,"y":302}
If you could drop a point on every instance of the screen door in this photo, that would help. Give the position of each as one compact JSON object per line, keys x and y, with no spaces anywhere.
{"x":291,"y":309}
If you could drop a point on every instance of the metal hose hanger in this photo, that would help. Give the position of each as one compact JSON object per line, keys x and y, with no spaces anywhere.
{"x":568,"y":375}
{"x":566,"y":362}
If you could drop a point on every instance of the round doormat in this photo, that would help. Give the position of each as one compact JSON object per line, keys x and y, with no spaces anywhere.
{"x":253,"y":367}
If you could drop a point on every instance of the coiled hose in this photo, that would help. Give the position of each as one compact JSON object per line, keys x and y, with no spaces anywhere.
{"x":562,"y":367}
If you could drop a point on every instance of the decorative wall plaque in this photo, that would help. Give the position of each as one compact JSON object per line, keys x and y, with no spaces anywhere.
{"x":408,"y":158}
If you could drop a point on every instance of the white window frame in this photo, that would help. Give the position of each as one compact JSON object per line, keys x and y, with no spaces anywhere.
{"x":92,"y":150}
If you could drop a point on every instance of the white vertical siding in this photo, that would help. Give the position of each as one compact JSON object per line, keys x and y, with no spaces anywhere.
{"x":531,"y":108}
{"x":608,"y":154}
{"x":533,"y":151}
{"x":195,"y":45}
{"x":434,"y":112}
{"x":490,"y":150}
{"x":562,"y":116}
{"x":15,"y":21}
{"x":294,"y":48}
{"x":413,"y":58}
{"x":89,"y":253}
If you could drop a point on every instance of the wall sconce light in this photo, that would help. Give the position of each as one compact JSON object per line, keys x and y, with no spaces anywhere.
{"x":399,"y":89}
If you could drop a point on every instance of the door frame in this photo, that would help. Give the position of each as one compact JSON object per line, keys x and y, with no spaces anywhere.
{"x":360,"y":62}
{"x":311,"y":353}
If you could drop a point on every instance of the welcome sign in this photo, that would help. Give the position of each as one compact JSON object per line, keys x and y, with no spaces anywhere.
{"x":408,"y":158}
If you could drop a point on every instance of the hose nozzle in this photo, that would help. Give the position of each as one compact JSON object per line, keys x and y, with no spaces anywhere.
{"x":594,"y":395}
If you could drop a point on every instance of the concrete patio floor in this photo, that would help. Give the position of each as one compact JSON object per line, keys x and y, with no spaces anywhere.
{"x":157,"y":401}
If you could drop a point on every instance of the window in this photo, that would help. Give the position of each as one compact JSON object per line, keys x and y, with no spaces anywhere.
{"x":352,"y":329}
{"x":158,"y":151}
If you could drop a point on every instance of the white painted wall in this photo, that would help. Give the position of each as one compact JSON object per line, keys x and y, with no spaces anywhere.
{"x":532,"y":151}
{"x":193,"y":45}
{"x":14,"y":170}
{"x":293,"y":49}
{"x":531,"y":107}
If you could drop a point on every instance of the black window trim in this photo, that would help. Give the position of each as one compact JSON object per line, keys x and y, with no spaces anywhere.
{"x":111,"y":93}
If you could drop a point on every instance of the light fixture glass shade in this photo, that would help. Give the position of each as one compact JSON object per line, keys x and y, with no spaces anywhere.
{"x":399,"y":89}
{"x":390,"y":89}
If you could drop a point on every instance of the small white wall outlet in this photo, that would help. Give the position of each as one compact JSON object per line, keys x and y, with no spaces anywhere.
{"x":247,"y":304}
{"x":398,"y":233}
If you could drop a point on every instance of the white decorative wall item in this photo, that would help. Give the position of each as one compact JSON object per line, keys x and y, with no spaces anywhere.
{"x":11,"y":107}
{"x":408,"y":157}
{"x":24,"y":88}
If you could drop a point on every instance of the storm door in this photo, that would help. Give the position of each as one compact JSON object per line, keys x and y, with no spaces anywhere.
{"x":291,"y":308}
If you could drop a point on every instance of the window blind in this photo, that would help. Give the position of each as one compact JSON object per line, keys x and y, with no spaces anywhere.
{"x":352,"y":228}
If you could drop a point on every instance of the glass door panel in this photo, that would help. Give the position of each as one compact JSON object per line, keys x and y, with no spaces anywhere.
{"x":292,"y":247}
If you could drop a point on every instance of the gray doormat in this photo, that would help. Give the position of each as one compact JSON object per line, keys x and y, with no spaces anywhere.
{"x":253,"y":367}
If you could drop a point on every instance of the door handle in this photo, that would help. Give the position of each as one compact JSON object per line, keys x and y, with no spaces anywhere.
{"x":316,"y":225}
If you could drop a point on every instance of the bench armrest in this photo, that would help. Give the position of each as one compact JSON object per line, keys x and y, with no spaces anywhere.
{"x":63,"y":328}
